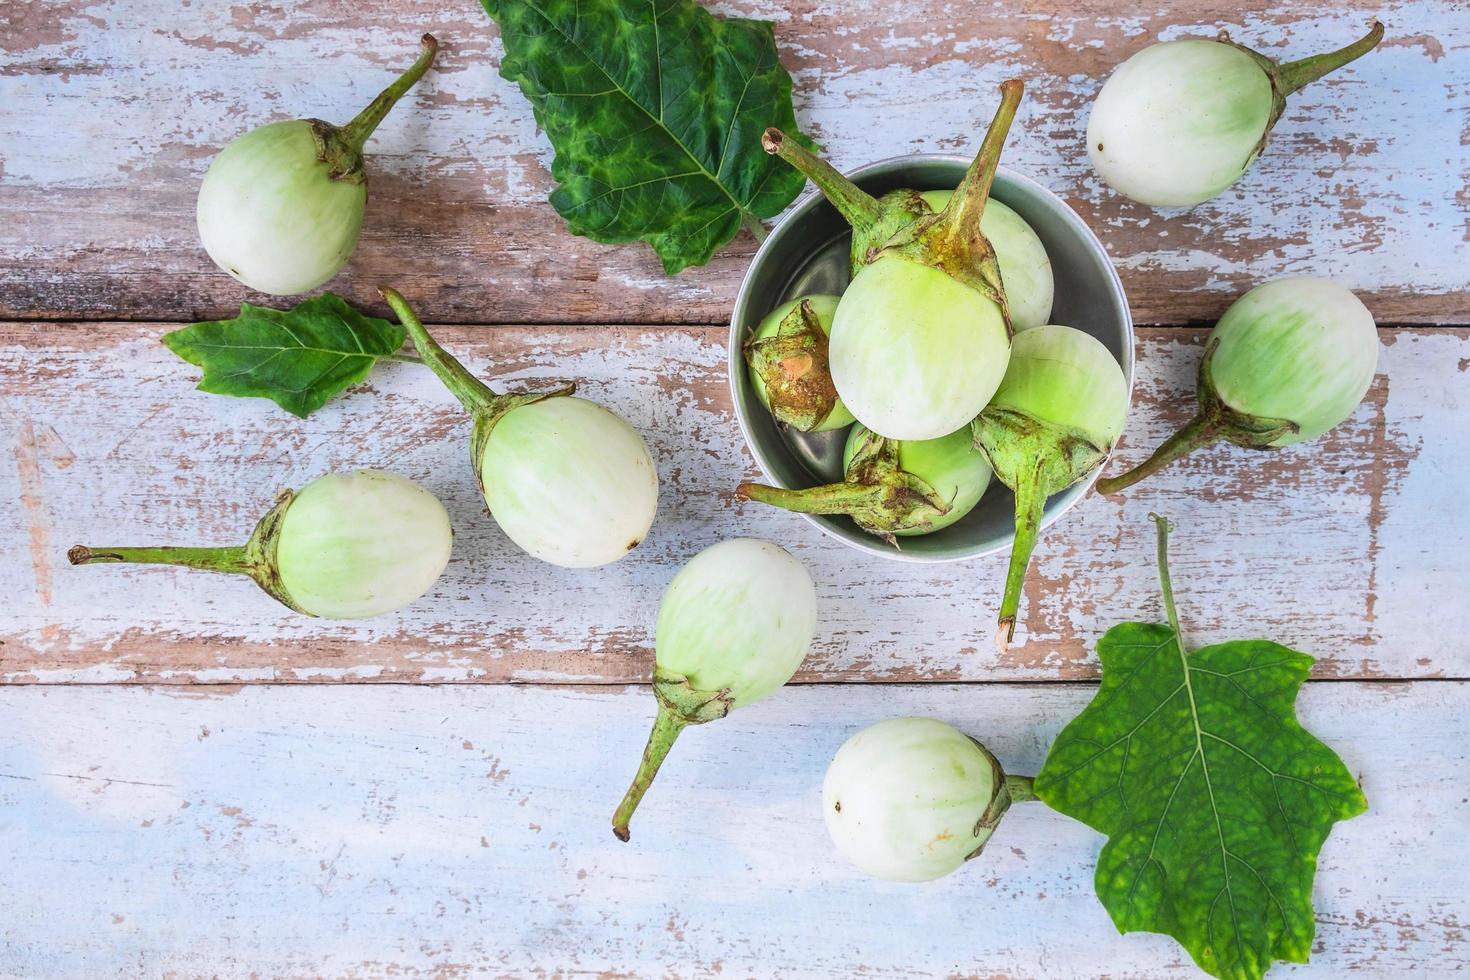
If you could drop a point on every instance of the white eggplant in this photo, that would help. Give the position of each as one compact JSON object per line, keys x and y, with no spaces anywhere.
{"x":1288,"y":361}
{"x":568,"y":481}
{"x":281,"y":207}
{"x":733,"y":626}
{"x":912,"y":799}
{"x":348,"y":546}
{"x":1180,"y":121}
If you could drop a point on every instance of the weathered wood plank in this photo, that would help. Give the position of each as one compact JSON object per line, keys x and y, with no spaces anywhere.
{"x":413,"y":831}
{"x":1346,"y":548}
{"x":109,"y":115}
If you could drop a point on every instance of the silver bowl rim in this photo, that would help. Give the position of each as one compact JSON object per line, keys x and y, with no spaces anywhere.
{"x":736,"y":358}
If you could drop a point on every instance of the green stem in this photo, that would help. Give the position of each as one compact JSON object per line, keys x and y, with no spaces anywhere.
{"x":666,"y":728}
{"x":831,"y":498}
{"x":962,"y":213}
{"x":356,"y":133}
{"x":403,"y":358}
{"x":476,"y":396}
{"x":1020,"y":788}
{"x":1293,"y":75}
{"x":1202,"y":430}
{"x":855,"y":204}
{"x":1165,"y":585}
{"x":753,"y":225}
{"x":1030,"y":504}
{"x":231,"y":559}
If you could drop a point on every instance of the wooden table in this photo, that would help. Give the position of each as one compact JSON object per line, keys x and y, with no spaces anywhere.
{"x":194,"y":781}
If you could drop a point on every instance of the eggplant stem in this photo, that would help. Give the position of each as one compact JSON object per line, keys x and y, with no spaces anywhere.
{"x":1030,"y":504}
{"x":228,"y":559}
{"x":753,"y":225}
{"x":961,"y":215}
{"x":854,"y":204}
{"x":356,"y":132}
{"x":830,"y":498}
{"x":1202,"y":430}
{"x":666,"y":728}
{"x":475,"y":395}
{"x":1293,"y":75}
{"x":1020,"y":788}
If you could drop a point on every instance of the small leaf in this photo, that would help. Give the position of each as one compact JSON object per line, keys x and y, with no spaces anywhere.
{"x":1214,"y":798}
{"x":655,"y":110}
{"x":298,"y":358}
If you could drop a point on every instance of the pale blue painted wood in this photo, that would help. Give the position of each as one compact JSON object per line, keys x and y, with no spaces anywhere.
{"x":454,"y":831}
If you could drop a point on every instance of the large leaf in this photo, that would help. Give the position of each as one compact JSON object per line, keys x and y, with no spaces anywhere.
{"x":655,"y":109}
{"x":1214,"y":798}
{"x":298,"y":358}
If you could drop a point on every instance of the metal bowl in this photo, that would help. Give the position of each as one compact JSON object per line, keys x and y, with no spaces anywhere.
{"x":807,"y":252}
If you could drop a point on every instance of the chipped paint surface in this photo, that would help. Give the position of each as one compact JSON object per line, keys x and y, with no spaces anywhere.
{"x":1364,"y":180}
{"x":1375,"y":505}
{"x":411,"y":831}
{"x":195,"y":782}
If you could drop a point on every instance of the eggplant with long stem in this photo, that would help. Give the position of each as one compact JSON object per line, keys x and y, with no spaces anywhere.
{"x":1180,"y":121}
{"x":281,"y":207}
{"x":347,"y":546}
{"x":1024,"y":265}
{"x":1288,"y":361}
{"x":733,"y":626}
{"x":922,"y":336}
{"x":893,"y":488}
{"x":1053,"y":421}
{"x":567,"y":480}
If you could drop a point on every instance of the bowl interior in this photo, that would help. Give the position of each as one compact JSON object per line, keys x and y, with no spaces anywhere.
{"x":808,"y":253}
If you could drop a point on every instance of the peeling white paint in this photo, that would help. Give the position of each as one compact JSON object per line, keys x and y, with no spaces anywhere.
{"x":155,"y":462}
{"x":444,"y":831}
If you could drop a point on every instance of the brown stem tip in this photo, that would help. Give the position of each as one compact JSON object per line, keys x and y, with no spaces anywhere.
{"x":621,"y":833}
{"x":771,"y":140}
{"x":742,"y":492}
{"x":79,"y":554}
{"x":1005,"y":632}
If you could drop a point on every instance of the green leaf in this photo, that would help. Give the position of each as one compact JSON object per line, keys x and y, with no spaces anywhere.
{"x":1214,"y":798}
{"x":298,"y":358}
{"x":655,"y":109}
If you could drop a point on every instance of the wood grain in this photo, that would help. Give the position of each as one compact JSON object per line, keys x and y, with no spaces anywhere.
{"x":1354,"y":548}
{"x":463,"y":831}
{"x":109,"y":115}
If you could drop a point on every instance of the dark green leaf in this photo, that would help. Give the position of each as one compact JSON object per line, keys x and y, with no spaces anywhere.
{"x":1214,"y":798}
{"x":655,"y":109}
{"x":298,"y":358}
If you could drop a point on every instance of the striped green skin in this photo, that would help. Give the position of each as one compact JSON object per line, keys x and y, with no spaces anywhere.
{"x":355,"y":545}
{"x":1179,"y":122}
{"x":270,"y":215}
{"x":903,"y":799}
{"x":951,"y":464}
{"x":824,"y":307}
{"x":1068,"y":378}
{"x":739,"y":616}
{"x":569,"y":482}
{"x":1025,"y":268}
{"x":915,"y":353}
{"x":1301,"y":349}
